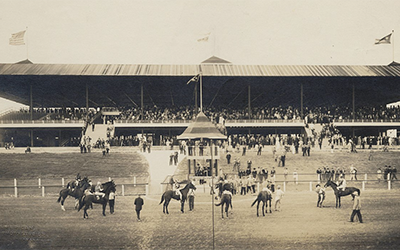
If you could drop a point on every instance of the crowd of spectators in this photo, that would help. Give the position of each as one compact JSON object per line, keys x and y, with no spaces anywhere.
{"x":221,"y":114}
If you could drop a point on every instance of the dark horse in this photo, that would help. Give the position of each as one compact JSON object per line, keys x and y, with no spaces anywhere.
{"x":226,"y":200}
{"x":88,"y":200}
{"x":170,"y":194}
{"x":73,"y":190}
{"x":265,"y":198}
{"x":340,"y":193}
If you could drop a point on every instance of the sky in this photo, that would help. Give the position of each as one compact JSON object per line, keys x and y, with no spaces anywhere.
{"x":269,"y":32}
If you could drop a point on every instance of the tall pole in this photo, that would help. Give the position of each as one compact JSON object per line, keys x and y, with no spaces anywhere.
{"x":393,"y":45}
{"x":87,"y":99}
{"x":196,"y":96}
{"x":249,"y":100}
{"x":301,"y":101}
{"x":354,"y":102}
{"x":212,"y":193}
{"x":31,"y":110}
{"x":201,"y":91}
{"x":141,"y":101}
{"x":27,"y":49}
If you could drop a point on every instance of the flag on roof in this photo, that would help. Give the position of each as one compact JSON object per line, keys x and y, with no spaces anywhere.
{"x":17,"y":38}
{"x":194,"y":79}
{"x":384,"y":40}
{"x":205,"y":38}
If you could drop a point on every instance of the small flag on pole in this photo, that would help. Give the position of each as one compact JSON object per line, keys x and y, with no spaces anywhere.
{"x":384,"y":40}
{"x":194,"y":79}
{"x":205,"y":38}
{"x":18,"y":38}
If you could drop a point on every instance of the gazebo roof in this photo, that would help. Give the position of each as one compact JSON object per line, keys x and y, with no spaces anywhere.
{"x":201,"y":128}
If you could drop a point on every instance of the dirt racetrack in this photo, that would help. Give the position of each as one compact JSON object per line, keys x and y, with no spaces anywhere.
{"x":39,"y":223}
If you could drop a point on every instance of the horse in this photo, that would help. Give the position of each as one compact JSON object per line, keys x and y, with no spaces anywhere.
{"x":170,"y":194}
{"x":264,"y":197}
{"x":88,"y":200}
{"x":340,"y":193}
{"x":74,"y":190}
{"x":226,"y":200}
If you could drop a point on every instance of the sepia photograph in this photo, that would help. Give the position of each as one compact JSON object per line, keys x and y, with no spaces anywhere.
{"x":199,"y":124}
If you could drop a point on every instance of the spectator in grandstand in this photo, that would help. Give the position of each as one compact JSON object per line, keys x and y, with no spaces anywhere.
{"x":28,"y":150}
{"x":356,"y":208}
{"x":138,"y":206}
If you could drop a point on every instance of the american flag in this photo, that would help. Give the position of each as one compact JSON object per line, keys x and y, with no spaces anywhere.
{"x":384,"y":40}
{"x":194,"y":79}
{"x":17,"y":38}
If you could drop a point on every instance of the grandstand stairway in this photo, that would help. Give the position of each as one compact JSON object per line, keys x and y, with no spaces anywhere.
{"x":99,"y":132}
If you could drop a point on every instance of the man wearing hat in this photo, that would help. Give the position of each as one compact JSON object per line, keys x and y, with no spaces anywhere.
{"x":356,"y":208}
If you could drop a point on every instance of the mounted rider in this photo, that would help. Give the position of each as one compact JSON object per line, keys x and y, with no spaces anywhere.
{"x":226,"y":188}
{"x":176,"y":189}
{"x":342,"y":183}
{"x":98,"y":190}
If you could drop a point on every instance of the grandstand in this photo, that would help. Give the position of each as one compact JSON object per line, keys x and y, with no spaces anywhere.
{"x":155,"y":100}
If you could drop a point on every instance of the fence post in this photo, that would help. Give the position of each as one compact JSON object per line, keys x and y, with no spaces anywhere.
{"x":284,"y":186}
{"x":62,"y":182}
{"x":389,"y":185}
{"x":147,"y":189}
{"x":311,"y":186}
{"x":134,"y":181}
{"x":123,"y":190}
{"x":366,"y":177}
{"x":39,"y":182}
{"x":42,"y":191}
{"x":109,"y":178}
{"x":363,"y":185}
{"x":15,"y":188}
{"x":258,"y":186}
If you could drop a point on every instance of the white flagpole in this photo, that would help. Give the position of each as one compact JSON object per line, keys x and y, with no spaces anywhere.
{"x":393,"y":44}
{"x":27,"y":50}
{"x":201,"y":91}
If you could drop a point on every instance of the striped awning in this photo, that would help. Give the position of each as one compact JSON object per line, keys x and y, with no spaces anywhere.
{"x":208,"y":69}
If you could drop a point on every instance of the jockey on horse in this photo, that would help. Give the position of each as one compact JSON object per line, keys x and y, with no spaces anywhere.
{"x":342,"y":183}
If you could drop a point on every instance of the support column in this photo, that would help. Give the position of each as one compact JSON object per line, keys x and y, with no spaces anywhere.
{"x":141,"y":101}
{"x":196,"y":95}
{"x":301,"y":102}
{"x":354,"y":102}
{"x":249,"y":101}
{"x":87,"y":99}
{"x":31,"y":110}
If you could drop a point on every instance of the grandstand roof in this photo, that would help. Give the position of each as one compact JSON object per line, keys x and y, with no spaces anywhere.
{"x":224,"y":84}
{"x":207,"y":69}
